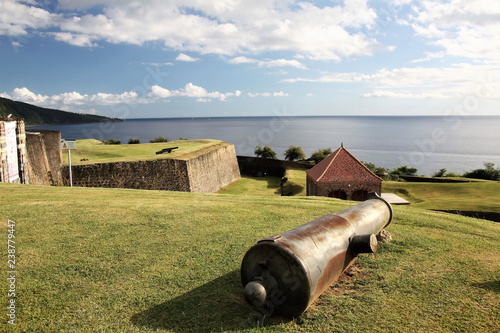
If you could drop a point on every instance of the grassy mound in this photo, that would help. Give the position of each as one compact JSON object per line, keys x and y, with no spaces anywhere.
{"x":114,"y":260}
{"x":94,"y":151}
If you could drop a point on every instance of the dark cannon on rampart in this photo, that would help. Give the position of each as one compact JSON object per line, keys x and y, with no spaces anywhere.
{"x":166,"y":150}
{"x":285,"y":274}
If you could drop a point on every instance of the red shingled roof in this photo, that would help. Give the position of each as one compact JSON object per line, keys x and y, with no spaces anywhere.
{"x":341,"y":166}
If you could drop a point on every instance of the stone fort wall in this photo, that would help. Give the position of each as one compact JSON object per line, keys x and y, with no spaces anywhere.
{"x":207,"y":172}
{"x":44,"y":157}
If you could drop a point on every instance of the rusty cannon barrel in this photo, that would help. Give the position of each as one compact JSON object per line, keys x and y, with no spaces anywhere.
{"x":284,"y":274}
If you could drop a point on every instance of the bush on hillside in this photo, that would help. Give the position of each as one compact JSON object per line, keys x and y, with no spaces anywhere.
{"x":159,"y":139}
{"x":133,"y":141}
{"x":112,"y":142}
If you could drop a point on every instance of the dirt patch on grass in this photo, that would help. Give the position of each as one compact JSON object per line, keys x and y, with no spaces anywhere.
{"x":346,"y":281}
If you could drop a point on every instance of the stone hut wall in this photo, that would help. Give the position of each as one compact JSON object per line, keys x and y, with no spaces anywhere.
{"x":325,"y":189}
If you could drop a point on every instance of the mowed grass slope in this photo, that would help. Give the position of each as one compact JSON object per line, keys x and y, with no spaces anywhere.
{"x":474,"y":196}
{"x":115,"y":260}
{"x":97,"y":152}
{"x":483,"y":196}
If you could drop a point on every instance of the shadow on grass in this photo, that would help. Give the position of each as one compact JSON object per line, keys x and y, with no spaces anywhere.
{"x":490,"y":285}
{"x":215,"y":306}
{"x":291,"y":189}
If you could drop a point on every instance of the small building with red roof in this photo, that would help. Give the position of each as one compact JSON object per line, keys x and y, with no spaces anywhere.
{"x":341,"y":175}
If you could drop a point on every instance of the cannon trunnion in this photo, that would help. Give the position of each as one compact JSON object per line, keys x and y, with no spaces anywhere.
{"x":284,"y":274}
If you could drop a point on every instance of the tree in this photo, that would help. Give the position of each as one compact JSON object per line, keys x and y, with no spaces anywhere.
{"x":133,"y":141}
{"x":320,"y":154}
{"x":439,"y":173}
{"x":379,"y":171}
{"x":489,"y":173}
{"x":404,"y":171}
{"x":266,"y":152}
{"x":294,"y":153}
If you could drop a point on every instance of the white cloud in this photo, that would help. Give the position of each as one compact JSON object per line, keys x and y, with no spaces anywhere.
{"x":224,"y":27}
{"x":267,"y":63}
{"x":466,"y":28}
{"x":430,"y":56}
{"x":242,"y":60}
{"x":425,"y":82}
{"x":157,"y":63}
{"x":185,"y":57}
{"x":405,"y":94}
{"x":64,"y":100}
{"x":192,"y":91}
{"x":268,"y":94}
{"x":17,"y":18}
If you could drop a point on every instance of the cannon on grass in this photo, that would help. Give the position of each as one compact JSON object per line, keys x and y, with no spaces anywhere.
{"x":166,"y":150}
{"x":285,"y":274}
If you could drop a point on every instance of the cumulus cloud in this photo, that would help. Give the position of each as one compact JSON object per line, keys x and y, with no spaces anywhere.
{"x":268,"y":94}
{"x":425,"y":82}
{"x":185,"y":57}
{"x":224,"y":27}
{"x":192,"y":91}
{"x":405,"y":94}
{"x":70,"y":99}
{"x":16,"y":18}
{"x":429,"y":56}
{"x":267,"y":63}
{"x":466,"y":28}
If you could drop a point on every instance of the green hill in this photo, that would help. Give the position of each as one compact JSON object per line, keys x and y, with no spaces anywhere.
{"x":117,"y":260}
{"x":35,"y":115}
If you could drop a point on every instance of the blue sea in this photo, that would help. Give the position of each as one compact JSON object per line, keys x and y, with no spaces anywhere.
{"x":456,"y":143}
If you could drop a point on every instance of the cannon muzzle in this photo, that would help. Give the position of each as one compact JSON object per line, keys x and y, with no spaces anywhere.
{"x":284,"y":274}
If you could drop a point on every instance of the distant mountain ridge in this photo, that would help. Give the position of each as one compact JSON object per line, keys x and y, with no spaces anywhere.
{"x":35,"y":115}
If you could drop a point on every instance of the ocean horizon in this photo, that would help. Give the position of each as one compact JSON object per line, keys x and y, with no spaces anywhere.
{"x":428,"y":143}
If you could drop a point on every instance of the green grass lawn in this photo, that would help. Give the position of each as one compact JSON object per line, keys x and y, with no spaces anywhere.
{"x":97,"y":152}
{"x":475,"y":196}
{"x":118,"y":260}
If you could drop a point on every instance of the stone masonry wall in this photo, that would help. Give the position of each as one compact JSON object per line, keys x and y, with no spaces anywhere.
{"x":213,"y":170}
{"x":205,"y":173}
{"x":44,"y":157}
{"x":165,"y":174}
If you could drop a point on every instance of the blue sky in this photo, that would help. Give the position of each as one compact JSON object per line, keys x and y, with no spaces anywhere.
{"x":200,"y":58}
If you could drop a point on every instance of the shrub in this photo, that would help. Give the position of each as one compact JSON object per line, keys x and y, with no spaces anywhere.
{"x":452,"y":174}
{"x":294,"y":153}
{"x":133,"y":141}
{"x":159,"y":139}
{"x":112,"y":142}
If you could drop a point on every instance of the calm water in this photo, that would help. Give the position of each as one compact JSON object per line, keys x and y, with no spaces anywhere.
{"x":427,"y":143}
